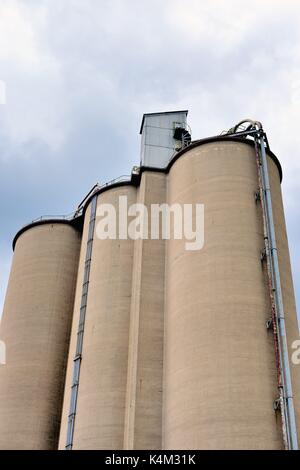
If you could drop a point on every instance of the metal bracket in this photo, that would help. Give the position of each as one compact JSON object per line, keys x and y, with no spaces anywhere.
{"x":257,"y":196}
{"x":277,"y":404}
{"x":135,"y":170}
{"x":269,"y":323}
{"x":263,"y":256}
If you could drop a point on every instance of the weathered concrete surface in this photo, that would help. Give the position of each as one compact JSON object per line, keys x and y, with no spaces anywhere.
{"x":143,"y":424}
{"x":36,"y":328}
{"x":220,"y":380}
{"x":176,"y":353}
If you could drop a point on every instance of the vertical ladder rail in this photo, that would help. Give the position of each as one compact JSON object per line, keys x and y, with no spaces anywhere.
{"x":278,"y":359}
{"x":80,"y":330}
{"x":279,"y":328}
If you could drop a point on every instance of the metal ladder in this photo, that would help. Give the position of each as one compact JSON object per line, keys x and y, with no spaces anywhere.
{"x":285,"y":401}
{"x":80,"y":330}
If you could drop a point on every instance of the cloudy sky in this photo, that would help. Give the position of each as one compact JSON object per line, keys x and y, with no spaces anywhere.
{"x":79,"y":74}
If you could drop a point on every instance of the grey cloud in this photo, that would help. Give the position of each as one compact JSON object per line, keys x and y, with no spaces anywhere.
{"x":90,"y":69}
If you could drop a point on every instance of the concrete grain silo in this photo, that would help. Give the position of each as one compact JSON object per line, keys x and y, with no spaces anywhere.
{"x":35,"y":328}
{"x":220,"y":374}
{"x":99,"y":412}
{"x":171,"y":348}
{"x":119,"y":393}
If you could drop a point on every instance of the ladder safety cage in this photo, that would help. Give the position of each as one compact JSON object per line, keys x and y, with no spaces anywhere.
{"x":285,"y":402}
{"x":80,"y":330}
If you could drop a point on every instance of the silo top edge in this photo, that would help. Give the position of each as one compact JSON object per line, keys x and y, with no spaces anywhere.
{"x":135,"y":178}
{"x":76,"y":223}
{"x":226,"y":138}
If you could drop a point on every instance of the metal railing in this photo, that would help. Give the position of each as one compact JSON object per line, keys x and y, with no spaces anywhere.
{"x":78,"y":212}
{"x":71,"y":216}
{"x":285,"y":401}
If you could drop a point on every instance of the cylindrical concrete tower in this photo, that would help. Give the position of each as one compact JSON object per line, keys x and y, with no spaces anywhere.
{"x":219,"y":369}
{"x":100,"y":410}
{"x":36,"y":328}
{"x":170,"y":348}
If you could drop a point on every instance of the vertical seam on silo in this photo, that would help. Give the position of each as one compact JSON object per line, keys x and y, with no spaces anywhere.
{"x":130,"y":404}
{"x":80,"y":330}
{"x":166,"y":253}
{"x":289,"y":426}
